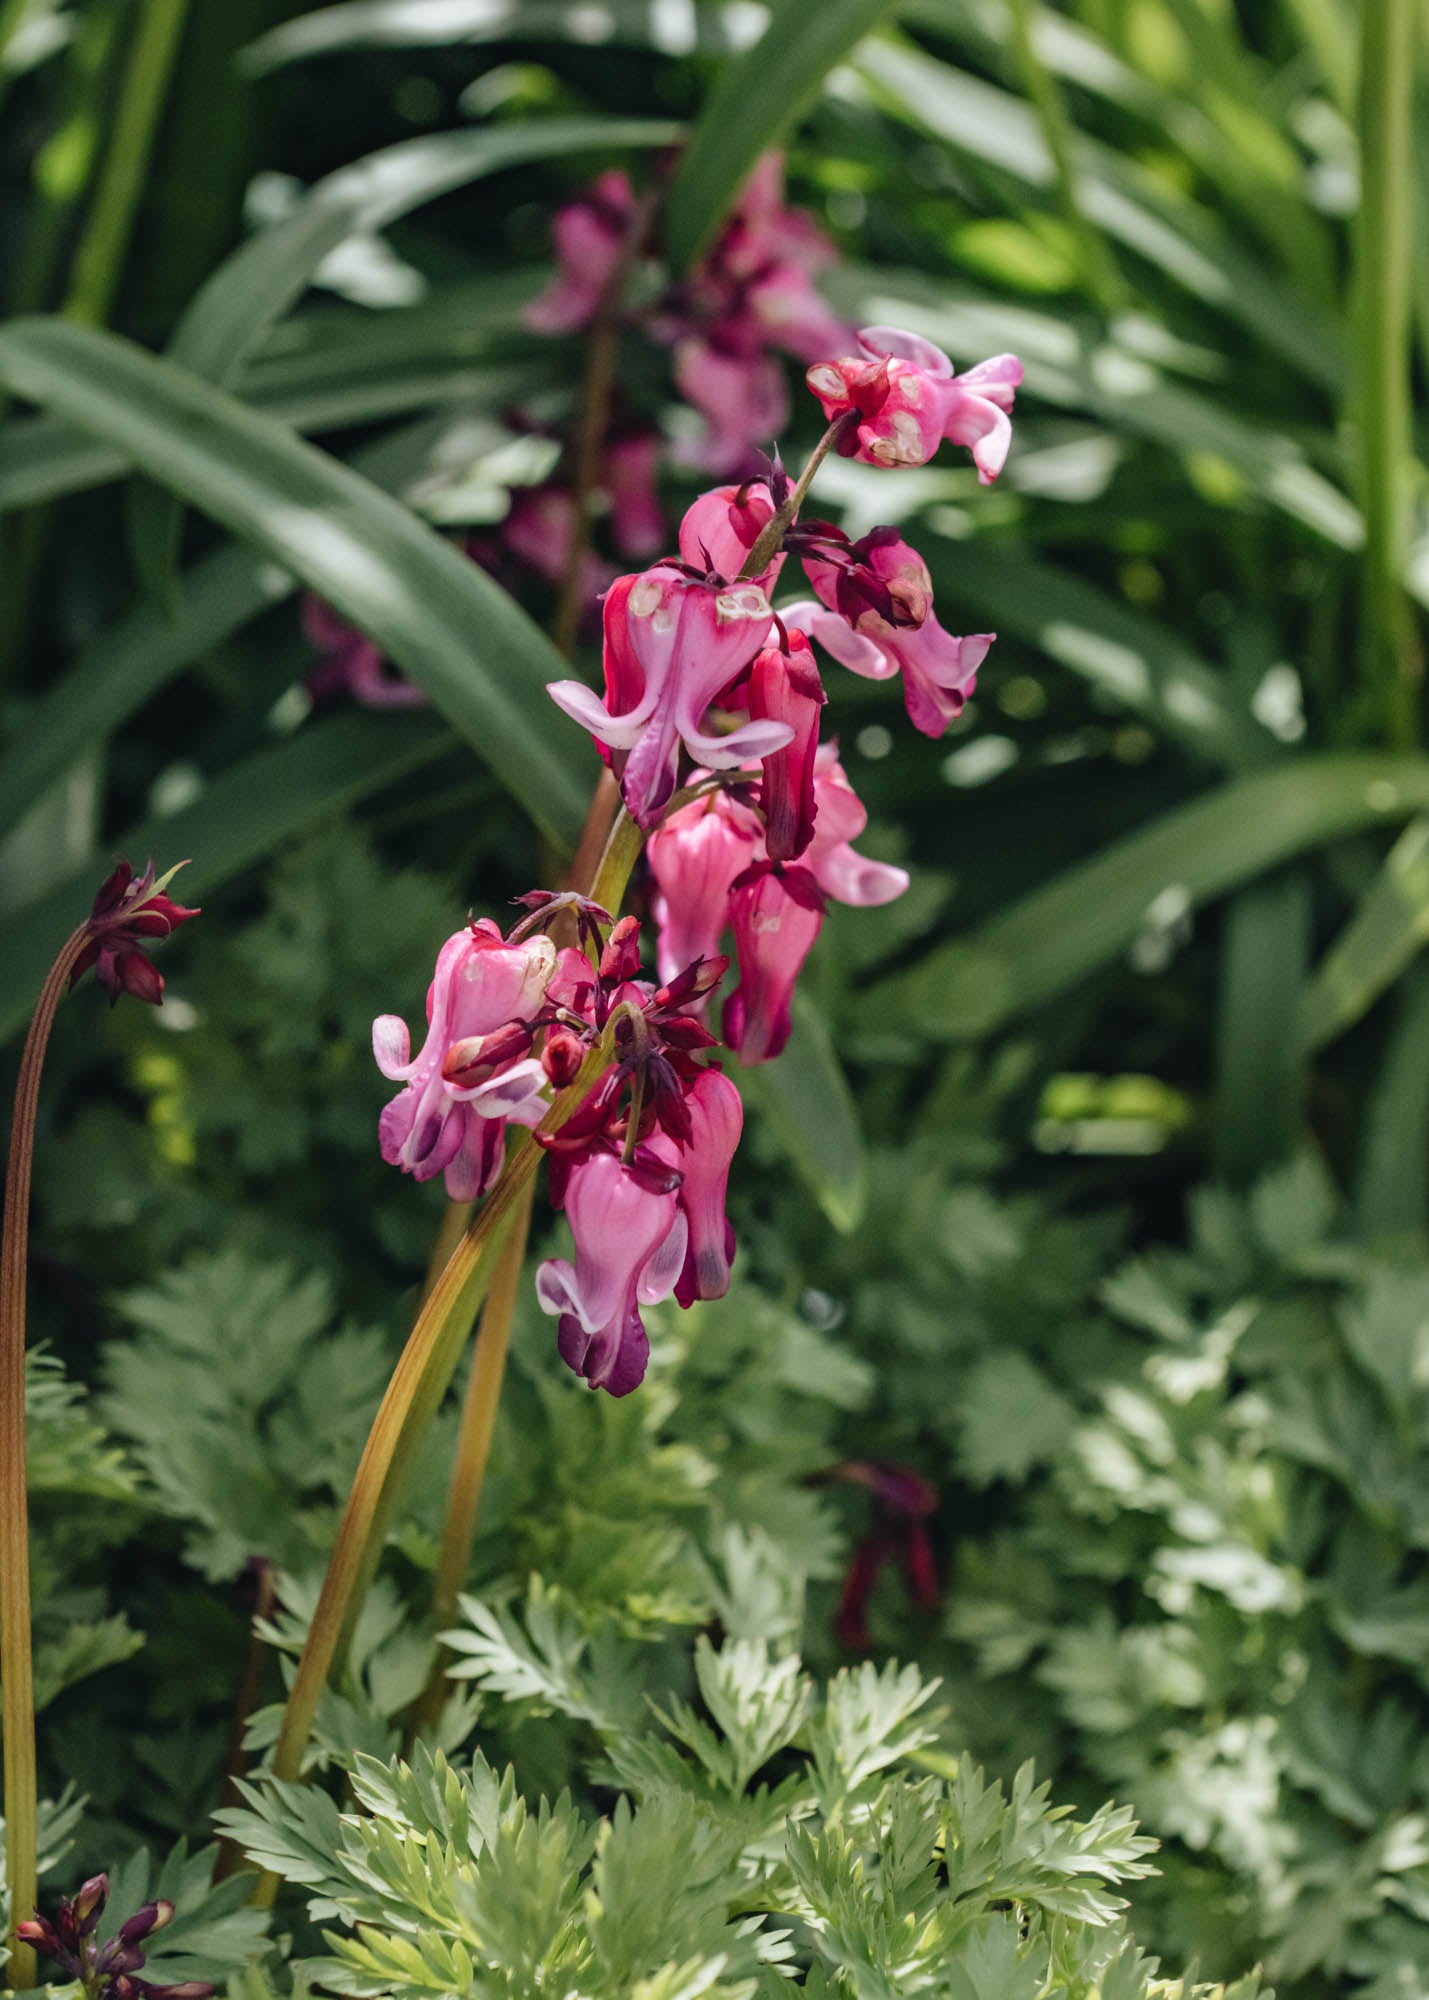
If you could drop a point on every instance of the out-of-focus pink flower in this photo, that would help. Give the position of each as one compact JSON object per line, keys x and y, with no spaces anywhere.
{"x":716,"y":1121}
{"x":740,"y":392}
{"x":354,"y":664}
{"x":902,"y":1502}
{"x":908,"y":400}
{"x":784,"y":686}
{"x":840,"y":817}
{"x":455,"y":1125}
{"x":130,"y":911}
{"x":637,"y":519}
{"x":630,"y":1240}
{"x":590,"y":235}
{"x":673,"y":643}
{"x":791,"y":315}
{"x":939,"y":669}
{"x":538,"y":530}
{"x":776,"y":913}
{"x":720,"y":529}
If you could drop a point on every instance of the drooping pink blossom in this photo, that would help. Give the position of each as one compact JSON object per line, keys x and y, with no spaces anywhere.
{"x":695,"y":856}
{"x":673,"y":643}
{"x":776,"y":914}
{"x":637,"y":520}
{"x":908,"y":400}
{"x":455,"y":1125}
{"x":939,"y":668}
{"x":630,"y":1240}
{"x":839,"y":818}
{"x":784,"y":686}
{"x":353,"y":663}
{"x":590,"y":234}
{"x":716,"y":1121}
{"x":539,"y":531}
{"x":739,"y":390}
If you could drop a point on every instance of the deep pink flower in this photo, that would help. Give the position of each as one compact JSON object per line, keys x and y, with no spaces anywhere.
{"x":785,"y":687}
{"x":539,"y":529}
{"x":130,"y":911}
{"x":776,"y":913}
{"x":354,"y":664}
{"x":790,"y":313}
{"x":437,"y":1125}
{"x":720,"y":529}
{"x":716,"y":1121}
{"x":630,"y":1240}
{"x":637,"y":520}
{"x":590,"y":235}
{"x":908,"y":400}
{"x":673,"y":643}
{"x":939,"y":669}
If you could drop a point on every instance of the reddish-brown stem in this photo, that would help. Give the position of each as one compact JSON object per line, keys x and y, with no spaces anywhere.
{"x":16,"y":1667}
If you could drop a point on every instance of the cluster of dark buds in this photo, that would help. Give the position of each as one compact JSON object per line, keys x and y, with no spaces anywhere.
{"x":106,"y":1971}
{"x":130,"y":911}
{"x":897,"y":1537}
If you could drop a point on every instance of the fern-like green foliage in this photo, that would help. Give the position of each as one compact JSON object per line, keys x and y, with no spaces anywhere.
{"x":765,"y":1833}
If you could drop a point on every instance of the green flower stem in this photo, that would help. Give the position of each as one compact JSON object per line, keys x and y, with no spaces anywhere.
{"x":421,"y":1378}
{"x":1388,"y":642}
{"x":771,"y":535}
{"x":99,"y":260}
{"x":17,"y":1718}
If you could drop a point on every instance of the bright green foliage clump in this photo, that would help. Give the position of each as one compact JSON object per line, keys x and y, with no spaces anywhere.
{"x":767,"y":1835}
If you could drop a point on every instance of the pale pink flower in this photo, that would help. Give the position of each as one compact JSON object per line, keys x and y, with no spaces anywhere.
{"x":720,"y":529}
{"x":908,"y":400}
{"x":630,"y":1241}
{"x":637,"y":520}
{"x":673,"y":643}
{"x":695,"y":857}
{"x":436,"y":1126}
{"x":740,"y":392}
{"x":839,"y":818}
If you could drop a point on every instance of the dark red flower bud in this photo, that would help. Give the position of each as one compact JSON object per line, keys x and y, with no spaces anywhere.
{"x":150,"y":1917}
{"x":692,"y":984}
{"x":476,"y":1058}
{"x":562,"y":1056}
{"x":40,"y":1933}
{"x":621,"y":958}
{"x":133,"y":974}
{"x":89,"y":1904}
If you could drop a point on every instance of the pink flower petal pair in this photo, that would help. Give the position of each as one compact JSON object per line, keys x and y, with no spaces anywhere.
{"x":908,"y":400}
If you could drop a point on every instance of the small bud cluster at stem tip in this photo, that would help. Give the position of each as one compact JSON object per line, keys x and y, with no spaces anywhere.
{"x":710,"y":721}
{"x":108,"y":1970}
{"x":129,"y":911}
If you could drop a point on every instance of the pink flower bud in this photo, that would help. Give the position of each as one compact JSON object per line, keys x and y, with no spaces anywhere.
{"x":777,"y":913}
{"x":785,"y":687}
{"x":716,"y":1121}
{"x":722,"y":526}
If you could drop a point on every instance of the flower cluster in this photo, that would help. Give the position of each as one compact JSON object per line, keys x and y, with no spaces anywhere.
{"x":749,"y":297}
{"x":105,"y":1971}
{"x":710,"y":719}
{"x":131,"y":911}
{"x":641,"y":1163}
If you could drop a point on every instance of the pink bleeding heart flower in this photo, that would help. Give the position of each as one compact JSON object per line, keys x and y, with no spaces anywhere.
{"x":716,"y":1121}
{"x":839,"y":818}
{"x":637,"y":519}
{"x":784,"y":686}
{"x":740,"y":392}
{"x":777,"y":914}
{"x":939,"y":669}
{"x":590,"y":235}
{"x":673,"y":643}
{"x":630,"y":1240}
{"x":908,"y":400}
{"x":353,"y":663}
{"x":442,"y":1125}
{"x":695,"y":857}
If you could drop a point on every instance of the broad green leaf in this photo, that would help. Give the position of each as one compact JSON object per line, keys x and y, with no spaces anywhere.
{"x":1381,"y":938}
{"x":807,"y":1101}
{"x":254,"y":287}
{"x":1145,"y":666}
{"x":1089,"y":916}
{"x":1260,"y":1069}
{"x":128,"y":664}
{"x":437,"y":615}
{"x":1176,"y":236}
{"x":677,"y":29}
{"x":758,"y":98}
{"x":251,"y":810}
